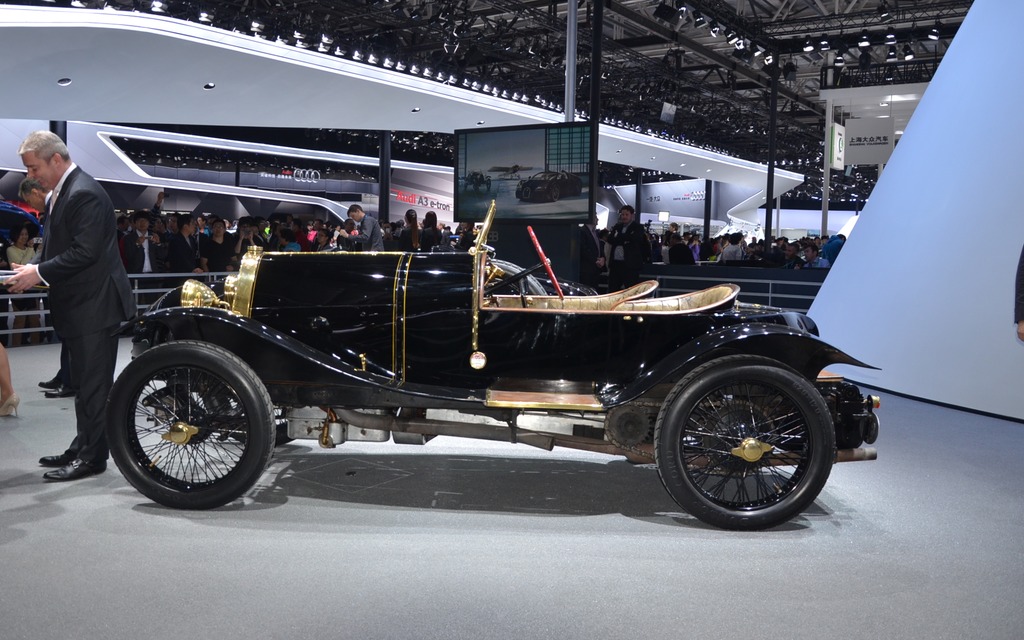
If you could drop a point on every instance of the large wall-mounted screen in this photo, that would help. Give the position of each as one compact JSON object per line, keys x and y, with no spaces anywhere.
{"x":535,"y":174}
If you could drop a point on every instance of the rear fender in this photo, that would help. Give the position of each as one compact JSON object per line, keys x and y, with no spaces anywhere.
{"x":803,"y":352}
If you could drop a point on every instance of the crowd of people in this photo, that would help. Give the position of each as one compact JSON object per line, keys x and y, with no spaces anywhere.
{"x":182,"y":243}
{"x":623,"y":249}
{"x":734,"y":248}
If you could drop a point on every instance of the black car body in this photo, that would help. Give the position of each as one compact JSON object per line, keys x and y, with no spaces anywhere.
{"x":549,"y":186}
{"x":725,"y":397}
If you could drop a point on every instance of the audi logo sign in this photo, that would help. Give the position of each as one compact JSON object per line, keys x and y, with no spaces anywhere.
{"x":305,"y":175}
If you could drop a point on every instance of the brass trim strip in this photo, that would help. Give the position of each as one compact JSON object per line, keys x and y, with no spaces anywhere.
{"x":394,"y":317}
{"x":405,"y":315}
{"x":480,"y":256}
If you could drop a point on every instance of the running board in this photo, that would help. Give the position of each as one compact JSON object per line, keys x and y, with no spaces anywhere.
{"x":506,"y":399}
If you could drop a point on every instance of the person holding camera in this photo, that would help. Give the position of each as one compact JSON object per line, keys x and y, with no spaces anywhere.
{"x":144,"y":251}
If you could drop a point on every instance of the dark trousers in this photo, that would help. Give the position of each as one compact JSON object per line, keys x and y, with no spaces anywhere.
{"x":64,"y":375}
{"x":621,"y":276}
{"x":93,"y":358}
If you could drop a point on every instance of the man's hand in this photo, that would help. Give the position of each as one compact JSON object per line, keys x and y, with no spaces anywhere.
{"x":26,"y":276}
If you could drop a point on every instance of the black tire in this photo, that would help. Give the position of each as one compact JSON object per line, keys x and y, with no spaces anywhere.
{"x":198,"y":386}
{"x":555,"y":193}
{"x":527,"y":194}
{"x":744,"y":400}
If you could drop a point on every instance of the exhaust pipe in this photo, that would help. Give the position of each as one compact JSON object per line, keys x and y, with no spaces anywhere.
{"x":427,"y":427}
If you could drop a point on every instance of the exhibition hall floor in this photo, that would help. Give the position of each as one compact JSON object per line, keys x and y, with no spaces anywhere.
{"x":480,"y":540}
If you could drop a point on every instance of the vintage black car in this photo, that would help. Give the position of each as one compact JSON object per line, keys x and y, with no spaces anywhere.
{"x":549,"y":186}
{"x":728,"y":399}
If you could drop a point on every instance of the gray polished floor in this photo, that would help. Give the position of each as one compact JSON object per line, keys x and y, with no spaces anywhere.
{"x":475,"y":540}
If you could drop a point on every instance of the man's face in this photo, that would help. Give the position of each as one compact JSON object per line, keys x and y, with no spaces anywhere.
{"x":625,"y":217}
{"x":142,"y":226}
{"x":790,"y":251}
{"x":47,"y":171}
{"x":36,"y":199}
{"x":358,"y":215}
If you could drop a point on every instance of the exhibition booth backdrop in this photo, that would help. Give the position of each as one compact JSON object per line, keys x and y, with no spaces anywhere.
{"x":916,"y":292}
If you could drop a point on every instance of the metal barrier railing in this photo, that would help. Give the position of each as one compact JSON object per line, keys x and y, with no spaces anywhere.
{"x":146,"y":287}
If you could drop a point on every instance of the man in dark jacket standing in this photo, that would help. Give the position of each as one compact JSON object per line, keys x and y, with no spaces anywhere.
{"x":89,"y":293}
{"x":630,"y":249}
{"x":1018,"y":305}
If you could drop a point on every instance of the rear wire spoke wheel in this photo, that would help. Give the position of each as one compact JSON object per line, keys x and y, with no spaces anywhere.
{"x":190,"y":425}
{"x":744,"y":443}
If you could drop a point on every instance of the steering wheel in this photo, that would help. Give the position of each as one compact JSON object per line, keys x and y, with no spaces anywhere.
{"x":547,"y":263}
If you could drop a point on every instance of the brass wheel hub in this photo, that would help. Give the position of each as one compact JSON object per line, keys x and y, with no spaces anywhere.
{"x":179,"y":433}
{"x":751,"y":449}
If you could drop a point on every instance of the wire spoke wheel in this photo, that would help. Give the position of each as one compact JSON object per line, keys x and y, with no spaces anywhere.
{"x":744,"y":443}
{"x":192,"y":426}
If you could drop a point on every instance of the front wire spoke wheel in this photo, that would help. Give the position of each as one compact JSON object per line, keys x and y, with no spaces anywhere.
{"x":191,"y":425}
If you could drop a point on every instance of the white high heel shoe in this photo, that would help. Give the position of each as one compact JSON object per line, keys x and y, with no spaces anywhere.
{"x":10,"y":405}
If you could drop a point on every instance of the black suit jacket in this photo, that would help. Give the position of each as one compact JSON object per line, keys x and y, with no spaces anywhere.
{"x":590,"y":251}
{"x":1018,"y":307}
{"x":89,"y":289}
{"x":633,"y":240}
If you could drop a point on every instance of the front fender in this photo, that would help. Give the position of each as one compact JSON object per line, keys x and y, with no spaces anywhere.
{"x":805,"y":353}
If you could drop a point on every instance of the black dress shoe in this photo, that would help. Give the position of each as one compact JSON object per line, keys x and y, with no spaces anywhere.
{"x":60,"y":392}
{"x":74,"y":470}
{"x":51,"y":385}
{"x":62,"y":460}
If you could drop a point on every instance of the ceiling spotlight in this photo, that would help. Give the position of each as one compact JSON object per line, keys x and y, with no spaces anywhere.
{"x":891,"y":55}
{"x":808,"y":46}
{"x":789,"y":71}
{"x":158,"y":6}
{"x":205,"y":17}
{"x":257,"y":27}
{"x":769,"y":58}
{"x":715,"y":28}
{"x":388,"y":63}
{"x":883,"y":10}
{"x":698,"y":19}
{"x":934,"y":33}
{"x":372,"y":59}
{"x":731,"y":36}
{"x":824,"y":43}
{"x":400,"y":66}
{"x":414,"y":69}
{"x":357,"y":55}
{"x":890,"y":36}
{"x":339,"y":51}
{"x":840,"y":60}
{"x":865,"y":40}
{"x":908,"y":52}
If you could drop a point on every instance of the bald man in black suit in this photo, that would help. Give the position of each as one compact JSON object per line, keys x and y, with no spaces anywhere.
{"x":89,"y":293}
